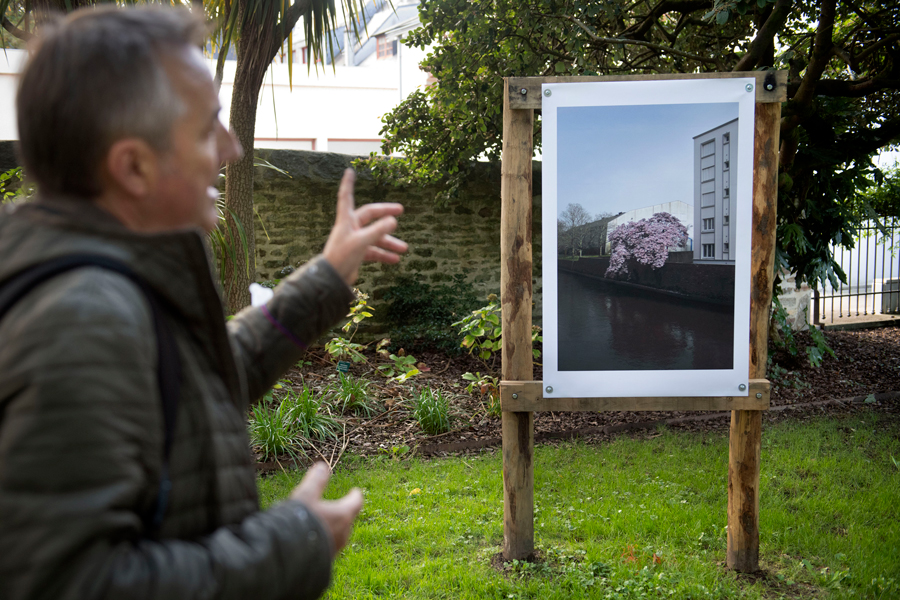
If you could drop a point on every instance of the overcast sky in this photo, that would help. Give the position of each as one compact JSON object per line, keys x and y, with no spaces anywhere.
{"x":615,"y":158}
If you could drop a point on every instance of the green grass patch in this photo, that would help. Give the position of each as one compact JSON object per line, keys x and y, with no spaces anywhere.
{"x":631,"y":519}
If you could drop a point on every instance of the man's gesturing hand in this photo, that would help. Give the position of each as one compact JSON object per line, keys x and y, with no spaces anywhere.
{"x":336,"y":515}
{"x":361,"y":234}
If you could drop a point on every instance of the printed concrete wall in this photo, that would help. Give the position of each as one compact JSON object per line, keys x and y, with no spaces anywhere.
{"x":707,"y":283}
{"x":296,"y":213}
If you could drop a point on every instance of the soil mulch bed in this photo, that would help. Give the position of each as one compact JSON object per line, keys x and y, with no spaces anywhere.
{"x":863,"y":375}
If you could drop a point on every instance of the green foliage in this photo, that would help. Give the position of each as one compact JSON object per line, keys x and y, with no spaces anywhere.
{"x":482,"y":330}
{"x":881,"y":200}
{"x":272,"y":429}
{"x":843,"y":100}
{"x":284,"y":420}
{"x":14,"y":177}
{"x":339,"y":347}
{"x":489,"y":387}
{"x":786,"y":341}
{"x":351,"y":395}
{"x":309,"y":419}
{"x":401,"y":367}
{"x":483,"y":336}
{"x":420,"y":314}
{"x":228,"y":241}
{"x":432,"y":411}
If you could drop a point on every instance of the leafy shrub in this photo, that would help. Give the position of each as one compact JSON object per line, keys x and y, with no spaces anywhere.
{"x":784,"y":340}
{"x":432,"y":411}
{"x":489,"y":386}
{"x":420,"y":315}
{"x":483,"y":337}
{"x":13,"y":188}
{"x":401,"y":368}
{"x":351,"y":395}
{"x":339,"y":347}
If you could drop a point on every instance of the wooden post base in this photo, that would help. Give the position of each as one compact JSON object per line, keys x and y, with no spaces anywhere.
{"x":518,"y":484}
{"x":745,"y":438}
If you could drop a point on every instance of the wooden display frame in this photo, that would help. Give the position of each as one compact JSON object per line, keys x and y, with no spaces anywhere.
{"x":521,"y":397}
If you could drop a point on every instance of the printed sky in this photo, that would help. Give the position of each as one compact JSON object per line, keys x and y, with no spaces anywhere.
{"x":616,"y":158}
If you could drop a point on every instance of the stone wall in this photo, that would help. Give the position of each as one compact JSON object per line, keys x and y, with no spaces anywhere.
{"x":296,"y":213}
{"x":796,"y":301}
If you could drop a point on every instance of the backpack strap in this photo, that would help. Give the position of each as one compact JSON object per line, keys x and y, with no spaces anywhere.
{"x":168,"y":364}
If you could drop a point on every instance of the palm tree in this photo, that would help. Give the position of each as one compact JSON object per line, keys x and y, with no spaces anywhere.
{"x":258,"y":29}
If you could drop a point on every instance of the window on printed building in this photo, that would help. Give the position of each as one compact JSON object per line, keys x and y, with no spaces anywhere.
{"x":709,"y":250}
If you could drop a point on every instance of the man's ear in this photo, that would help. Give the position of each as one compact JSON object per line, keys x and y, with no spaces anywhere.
{"x":132,"y":166}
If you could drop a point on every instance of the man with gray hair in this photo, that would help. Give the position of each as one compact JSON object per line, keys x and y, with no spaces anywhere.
{"x":124,"y":463}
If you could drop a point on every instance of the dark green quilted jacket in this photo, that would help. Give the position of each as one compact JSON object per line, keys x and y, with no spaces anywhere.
{"x":81,"y":432}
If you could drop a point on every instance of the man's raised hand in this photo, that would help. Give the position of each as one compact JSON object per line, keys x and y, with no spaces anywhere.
{"x":361,"y":234}
{"x":336,"y":515}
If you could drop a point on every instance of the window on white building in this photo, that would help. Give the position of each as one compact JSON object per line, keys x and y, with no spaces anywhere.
{"x":709,"y":224}
{"x":385,"y":48}
{"x":709,"y":250}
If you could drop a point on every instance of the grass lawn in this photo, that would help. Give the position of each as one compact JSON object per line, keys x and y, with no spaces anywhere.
{"x":634,"y":518}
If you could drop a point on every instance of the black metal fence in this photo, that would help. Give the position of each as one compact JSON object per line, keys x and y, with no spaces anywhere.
{"x":873,"y":278}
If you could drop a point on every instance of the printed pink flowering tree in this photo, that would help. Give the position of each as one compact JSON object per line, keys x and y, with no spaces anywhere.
{"x":646,"y":241}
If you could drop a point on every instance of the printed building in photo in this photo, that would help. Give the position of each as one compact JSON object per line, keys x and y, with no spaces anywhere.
{"x":682,"y":211}
{"x":715,"y":152}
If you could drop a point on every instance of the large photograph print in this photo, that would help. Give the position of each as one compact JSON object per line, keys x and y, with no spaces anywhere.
{"x":649,"y":184}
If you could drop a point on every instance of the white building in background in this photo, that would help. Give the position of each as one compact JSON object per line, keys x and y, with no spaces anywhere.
{"x":682,"y":211}
{"x":328,"y":108}
{"x":715,"y":151}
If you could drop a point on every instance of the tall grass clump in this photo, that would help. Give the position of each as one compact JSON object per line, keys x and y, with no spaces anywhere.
{"x":310,"y":421}
{"x":432,"y":411}
{"x":351,"y":395}
{"x":272,"y":429}
{"x":281,"y":426}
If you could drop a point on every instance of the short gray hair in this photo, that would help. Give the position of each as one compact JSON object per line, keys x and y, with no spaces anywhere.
{"x":95,"y":77}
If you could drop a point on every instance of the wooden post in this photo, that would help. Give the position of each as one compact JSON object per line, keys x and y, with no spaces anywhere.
{"x":745,"y":436}
{"x":515,"y":298}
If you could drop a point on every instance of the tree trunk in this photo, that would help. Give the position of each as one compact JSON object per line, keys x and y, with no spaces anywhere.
{"x":239,"y":174}
{"x":261,"y":36}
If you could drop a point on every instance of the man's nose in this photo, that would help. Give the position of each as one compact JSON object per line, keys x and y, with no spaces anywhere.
{"x":229,"y":147}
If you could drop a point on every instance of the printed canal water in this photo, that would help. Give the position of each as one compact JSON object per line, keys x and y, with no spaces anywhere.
{"x":605,"y":326}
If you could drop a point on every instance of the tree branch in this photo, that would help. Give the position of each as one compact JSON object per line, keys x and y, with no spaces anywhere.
{"x":821,"y":54}
{"x":659,"y":47}
{"x":850,"y":89}
{"x":880,"y":43}
{"x":765,"y":36}
{"x":666,"y":6}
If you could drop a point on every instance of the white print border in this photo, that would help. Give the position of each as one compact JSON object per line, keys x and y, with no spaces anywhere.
{"x":661,"y":383}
